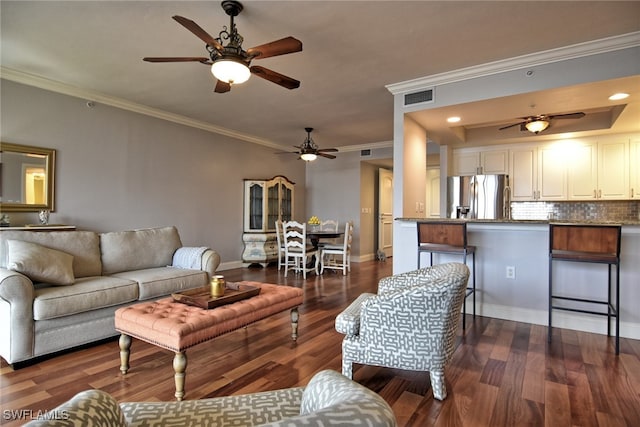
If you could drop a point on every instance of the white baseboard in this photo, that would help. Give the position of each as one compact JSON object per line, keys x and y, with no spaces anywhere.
{"x":576,"y":321}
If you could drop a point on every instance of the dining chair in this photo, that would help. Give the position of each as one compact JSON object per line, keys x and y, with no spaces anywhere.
{"x":329,"y":225}
{"x":298,"y":253}
{"x":338,"y":256}
{"x":280,"y":242}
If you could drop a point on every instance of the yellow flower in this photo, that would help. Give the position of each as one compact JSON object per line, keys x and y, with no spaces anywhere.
{"x":314,"y":220}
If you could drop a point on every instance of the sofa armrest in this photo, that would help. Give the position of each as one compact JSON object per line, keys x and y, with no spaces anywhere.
{"x":348,"y":322}
{"x":16,"y":316}
{"x":330,"y":398}
{"x":210,"y":262}
{"x":90,"y":407}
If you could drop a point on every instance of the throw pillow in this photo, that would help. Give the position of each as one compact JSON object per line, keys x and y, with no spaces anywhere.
{"x":40,"y":263}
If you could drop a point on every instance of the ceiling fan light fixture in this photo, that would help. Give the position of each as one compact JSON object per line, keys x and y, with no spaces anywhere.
{"x":537,"y":125}
{"x":308,"y":157}
{"x":230,"y":71}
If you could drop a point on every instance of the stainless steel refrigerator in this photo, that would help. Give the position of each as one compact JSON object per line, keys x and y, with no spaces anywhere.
{"x":478,"y":197}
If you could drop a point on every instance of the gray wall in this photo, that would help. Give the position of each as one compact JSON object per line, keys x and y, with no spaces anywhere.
{"x":118,"y":170}
{"x":341,"y":188}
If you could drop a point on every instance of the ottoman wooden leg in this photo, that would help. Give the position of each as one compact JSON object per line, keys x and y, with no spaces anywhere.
{"x":125,"y":346}
{"x":179,"y":366}
{"x":294,"y":323}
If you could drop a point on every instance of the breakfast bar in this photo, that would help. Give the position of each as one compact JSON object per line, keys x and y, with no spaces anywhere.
{"x":513,"y":270}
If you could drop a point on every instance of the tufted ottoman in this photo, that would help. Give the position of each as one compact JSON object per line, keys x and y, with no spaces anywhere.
{"x":177,"y":327}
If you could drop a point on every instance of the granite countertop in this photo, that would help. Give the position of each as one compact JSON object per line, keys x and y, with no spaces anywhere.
{"x":523,"y":221}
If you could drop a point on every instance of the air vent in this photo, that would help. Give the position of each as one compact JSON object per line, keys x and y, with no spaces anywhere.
{"x":365,"y":153}
{"x":418,"y":97}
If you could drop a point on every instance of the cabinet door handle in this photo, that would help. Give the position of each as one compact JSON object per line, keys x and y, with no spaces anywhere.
{"x":599,"y":194}
{"x":594,"y":194}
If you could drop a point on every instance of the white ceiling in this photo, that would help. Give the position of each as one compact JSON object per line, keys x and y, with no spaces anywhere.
{"x":351,"y":51}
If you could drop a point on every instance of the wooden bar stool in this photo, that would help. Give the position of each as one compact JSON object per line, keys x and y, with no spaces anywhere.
{"x":448,"y":237}
{"x":586,"y":243}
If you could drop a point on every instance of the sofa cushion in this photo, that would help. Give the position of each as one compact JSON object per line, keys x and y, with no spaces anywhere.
{"x":156,"y":282}
{"x":88,"y":293}
{"x":83,"y":245}
{"x":138,"y":249}
{"x":39,"y":263}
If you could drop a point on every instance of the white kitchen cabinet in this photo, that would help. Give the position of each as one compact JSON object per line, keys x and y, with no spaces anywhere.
{"x":634,"y":168}
{"x":523,"y":173}
{"x":475,"y":162}
{"x":613,"y":170}
{"x":552,"y":173}
{"x":599,"y":171}
{"x":583,"y":172}
{"x":537,"y":173}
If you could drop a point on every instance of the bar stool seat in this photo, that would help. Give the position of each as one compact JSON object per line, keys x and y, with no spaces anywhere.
{"x":589,"y":243}
{"x":448,"y":237}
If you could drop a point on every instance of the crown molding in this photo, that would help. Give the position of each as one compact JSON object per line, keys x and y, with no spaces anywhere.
{"x":579,"y":50}
{"x":112,"y":101}
{"x":372,"y":146}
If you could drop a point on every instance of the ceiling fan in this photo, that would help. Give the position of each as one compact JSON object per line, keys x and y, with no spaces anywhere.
{"x":309,"y":151}
{"x":537,"y":124}
{"x":230,"y":63}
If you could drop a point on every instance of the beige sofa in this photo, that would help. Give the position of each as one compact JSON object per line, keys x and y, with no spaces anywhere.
{"x":60,"y":289}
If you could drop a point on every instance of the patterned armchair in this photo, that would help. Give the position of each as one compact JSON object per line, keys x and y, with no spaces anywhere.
{"x":410,"y":324}
{"x":328,"y":399}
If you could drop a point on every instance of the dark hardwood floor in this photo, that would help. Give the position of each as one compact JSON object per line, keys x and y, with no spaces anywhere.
{"x":503,"y":373}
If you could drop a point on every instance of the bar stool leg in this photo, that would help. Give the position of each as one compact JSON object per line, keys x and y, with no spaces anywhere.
{"x":550,"y":297}
{"x":618,"y":308}
{"x":473,"y":258}
{"x":464,"y":301}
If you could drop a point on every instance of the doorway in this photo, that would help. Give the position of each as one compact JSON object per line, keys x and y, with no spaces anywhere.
{"x":385,"y":212}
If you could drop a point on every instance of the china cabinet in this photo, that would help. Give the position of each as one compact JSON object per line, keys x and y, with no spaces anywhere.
{"x":265,"y":202}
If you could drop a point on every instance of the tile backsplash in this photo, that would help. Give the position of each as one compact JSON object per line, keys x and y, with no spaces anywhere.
{"x":627,"y":210}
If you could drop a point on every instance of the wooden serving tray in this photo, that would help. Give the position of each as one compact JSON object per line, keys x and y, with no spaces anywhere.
{"x":201,"y":297}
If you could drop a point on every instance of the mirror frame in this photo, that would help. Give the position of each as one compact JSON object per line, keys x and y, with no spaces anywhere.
{"x":50,"y":157}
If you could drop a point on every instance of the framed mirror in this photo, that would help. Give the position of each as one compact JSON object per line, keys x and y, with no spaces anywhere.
{"x":27,"y":177}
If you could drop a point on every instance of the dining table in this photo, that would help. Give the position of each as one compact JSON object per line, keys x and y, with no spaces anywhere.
{"x":316,"y":235}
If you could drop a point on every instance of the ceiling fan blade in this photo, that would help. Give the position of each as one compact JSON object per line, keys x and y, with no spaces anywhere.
{"x":510,"y":126}
{"x":222,"y":87}
{"x":328,"y":156}
{"x":198,"y":31}
{"x":274,"y":77}
{"x":327,"y":150}
{"x":568,"y":116}
{"x":275,"y":48}
{"x":201,"y":59}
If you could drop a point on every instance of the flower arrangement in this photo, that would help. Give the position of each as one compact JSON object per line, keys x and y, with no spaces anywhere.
{"x":314,"y":220}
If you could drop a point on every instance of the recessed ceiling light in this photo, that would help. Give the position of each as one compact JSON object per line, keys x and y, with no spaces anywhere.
{"x":618,"y":96}
{"x":453,"y":119}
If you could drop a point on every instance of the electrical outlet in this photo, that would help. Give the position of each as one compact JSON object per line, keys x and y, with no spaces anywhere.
{"x":511,"y":272}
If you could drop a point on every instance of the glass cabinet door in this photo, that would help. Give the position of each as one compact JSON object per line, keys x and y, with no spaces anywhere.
{"x":286,"y":202}
{"x":265,"y":202}
{"x":273,"y":205}
{"x":255,"y":203}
